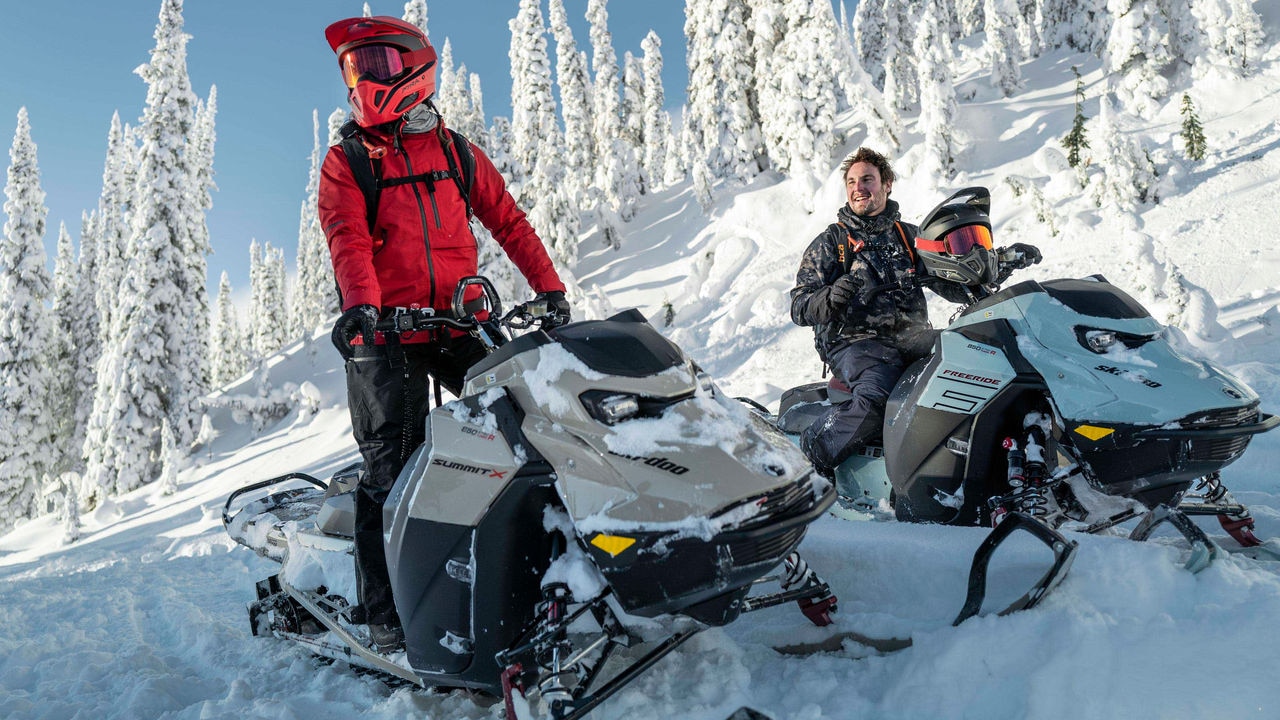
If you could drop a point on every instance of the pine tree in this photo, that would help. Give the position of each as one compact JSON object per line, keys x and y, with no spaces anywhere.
{"x":1137,"y":54}
{"x":25,"y":370}
{"x":446,"y":98}
{"x":633,"y":115}
{"x":901,"y":84}
{"x":194,"y":381}
{"x":541,"y":184}
{"x":226,"y":348}
{"x":1192,"y":132}
{"x":168,"y":480}
{"x":1004,"y":53}
{"x":151,"y":367}
{"x":575,"y":107}
{"x":797,"y":93}
{"x":267,"y":315}
{"x":63,"y":351}
{"x":1129,"y":174}
{"x":655,"y":119}
{"x":415,"y":13}
{"x":314,"y":298}
{"x":616,"y":159}
{"x":938,"y":107}
{"x":1075,"y":141}
{"x":722,"y":127}
{"x":972,"y":16}
{"x":111,"y":226}
{"x":869,"y":34}
{"x":89,"y":319}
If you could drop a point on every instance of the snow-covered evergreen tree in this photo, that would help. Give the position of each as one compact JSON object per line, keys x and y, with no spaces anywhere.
{"x":1129,"y":176}
{"x":617,"y":173}
{"x":541,"y":188}
{"x":25,"y":368}
{"x":633,"y":114}
{"x":314,"y":297}
{"x":722,"y":128}
{"x":870,"y":35}
{"x":89,"y":323}
{"x":195,"y":364}
{"x":1231,"y":36}
{"x":797,"y":92}
{"x":575,"y":108}
{"x":415,"y":13}
{"x":446,"y":99}
{"x":938,"y":107}
{"x":336,"y":120}
{"x":972,"y":16}
{"x":901,"y":85}
{"x":1004,"y":52}
{"x":149,"y":369}
{"x":226,"y":346}
{"x":111,"y":225}
{"x":268,"y":319}
{"x":1137,"y":54}
{"x":656,"y":121}
{"x":63,"y":350}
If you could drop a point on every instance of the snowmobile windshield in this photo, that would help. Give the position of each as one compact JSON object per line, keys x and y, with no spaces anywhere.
{"x":620,"y":346}
{"x":1095,"y":299}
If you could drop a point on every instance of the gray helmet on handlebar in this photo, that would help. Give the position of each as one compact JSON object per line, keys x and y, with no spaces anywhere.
{"x":955,"y":239}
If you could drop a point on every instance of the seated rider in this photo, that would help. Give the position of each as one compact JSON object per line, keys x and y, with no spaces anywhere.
{"x":860,"y":287}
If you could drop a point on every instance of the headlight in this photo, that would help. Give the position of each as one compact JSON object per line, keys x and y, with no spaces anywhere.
{"x":612,"y":409}
{"x":1103,"y":341}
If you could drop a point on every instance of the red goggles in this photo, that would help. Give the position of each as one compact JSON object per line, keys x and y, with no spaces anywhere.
{"x":380,"y":62}
{"x":959,"y":241}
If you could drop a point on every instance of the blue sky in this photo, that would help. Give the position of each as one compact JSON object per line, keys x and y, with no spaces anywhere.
{"x":72,"y":62}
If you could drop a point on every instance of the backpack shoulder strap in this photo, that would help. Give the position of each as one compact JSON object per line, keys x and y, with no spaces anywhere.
{"x":911,"y":251}
{"x":463,"y":168}
{"x":365,"y":169}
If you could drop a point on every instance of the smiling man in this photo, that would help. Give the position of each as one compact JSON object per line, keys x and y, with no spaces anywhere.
{"x":859,"y":287}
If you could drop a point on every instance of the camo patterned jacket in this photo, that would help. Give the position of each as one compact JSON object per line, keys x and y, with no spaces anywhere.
{"x":880,"y":252}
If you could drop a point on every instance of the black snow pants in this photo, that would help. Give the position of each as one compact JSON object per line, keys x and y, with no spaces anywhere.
{"x":388,"y":393}
{"x":870,"y":369}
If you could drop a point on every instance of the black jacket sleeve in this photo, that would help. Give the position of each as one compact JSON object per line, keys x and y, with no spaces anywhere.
{"x":810,"y":298}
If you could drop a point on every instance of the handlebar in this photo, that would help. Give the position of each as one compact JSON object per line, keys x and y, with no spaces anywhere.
{"x":534,"y":313}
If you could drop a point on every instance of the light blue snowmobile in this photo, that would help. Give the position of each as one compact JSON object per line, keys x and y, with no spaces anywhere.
{"x":1064,"y":400}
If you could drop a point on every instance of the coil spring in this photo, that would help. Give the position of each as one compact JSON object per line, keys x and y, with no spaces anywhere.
{"x":1211,"y":487}
{"x":1033,"y":501}
{"x":798,"y":572}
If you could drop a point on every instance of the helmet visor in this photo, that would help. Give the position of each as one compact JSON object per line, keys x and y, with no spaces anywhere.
{"x":963,"y":239}
{"x":380,"y":62}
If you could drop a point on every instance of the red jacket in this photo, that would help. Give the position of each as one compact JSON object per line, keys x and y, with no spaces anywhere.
{"x":421,"y":244}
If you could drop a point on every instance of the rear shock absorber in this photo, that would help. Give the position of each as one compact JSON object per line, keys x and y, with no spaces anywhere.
{"x":1025,"y":478}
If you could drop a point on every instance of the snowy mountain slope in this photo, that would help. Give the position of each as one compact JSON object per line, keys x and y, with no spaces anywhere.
{"x":144,"y":616}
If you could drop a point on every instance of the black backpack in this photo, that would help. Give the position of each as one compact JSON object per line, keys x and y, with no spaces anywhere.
{"x":368,"y":170}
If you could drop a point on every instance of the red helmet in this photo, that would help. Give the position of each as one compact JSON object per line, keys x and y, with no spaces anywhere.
{"x":387,"y":64}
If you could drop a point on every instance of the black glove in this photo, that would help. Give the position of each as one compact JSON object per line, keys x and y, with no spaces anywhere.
{"x":844,"y":291}
{"x":1019,"y":255}
{"x":359,"y":320}
{"x":558,"y":311}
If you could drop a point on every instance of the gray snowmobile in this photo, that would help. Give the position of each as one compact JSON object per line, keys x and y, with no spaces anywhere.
{"x":589,"y":504}
{"x":1063,"y":400}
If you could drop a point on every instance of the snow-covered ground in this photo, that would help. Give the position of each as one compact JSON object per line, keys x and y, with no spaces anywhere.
{"x":144,"y":616}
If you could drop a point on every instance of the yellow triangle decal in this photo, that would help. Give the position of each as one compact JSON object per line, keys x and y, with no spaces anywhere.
{"x":612,"y":544}
{"x":1094,"y":433}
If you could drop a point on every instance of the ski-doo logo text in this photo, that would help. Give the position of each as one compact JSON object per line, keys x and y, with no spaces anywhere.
{"x":1128,"y":375}
{"x":450,"y":465}
{"x":971,"y":378}
{"x":659,"y":463}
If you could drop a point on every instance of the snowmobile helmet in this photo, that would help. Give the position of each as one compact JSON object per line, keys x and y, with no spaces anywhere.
{"x":387,"y":64}
{"x":955,"y":239}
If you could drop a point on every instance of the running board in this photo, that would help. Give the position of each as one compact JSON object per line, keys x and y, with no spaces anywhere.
{"x":355,"y":651}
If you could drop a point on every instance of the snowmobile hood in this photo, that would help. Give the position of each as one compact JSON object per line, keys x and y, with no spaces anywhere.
{"x":682,"y":456}
{"x":1105,"y":359}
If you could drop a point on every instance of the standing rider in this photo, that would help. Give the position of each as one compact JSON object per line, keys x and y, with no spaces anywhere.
{"x":407,"y":250}
{"x":859,"y":286}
